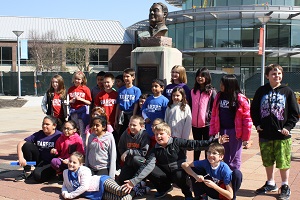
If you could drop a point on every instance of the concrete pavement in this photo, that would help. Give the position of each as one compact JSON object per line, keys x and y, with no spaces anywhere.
{"x":17,"y":123}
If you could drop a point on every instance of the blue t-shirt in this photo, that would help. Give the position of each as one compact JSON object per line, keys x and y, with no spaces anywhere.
{"x":127,"y":97}
{"x":44,"y":143}
{"x":222,"y":173}
{"x":154,"y":107}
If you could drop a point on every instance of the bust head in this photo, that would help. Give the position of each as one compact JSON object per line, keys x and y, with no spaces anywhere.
{"x":157,"y":19}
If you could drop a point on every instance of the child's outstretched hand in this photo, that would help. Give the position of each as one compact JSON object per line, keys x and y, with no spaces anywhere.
{"x":127,"y":187}
{"x":223,"y":139}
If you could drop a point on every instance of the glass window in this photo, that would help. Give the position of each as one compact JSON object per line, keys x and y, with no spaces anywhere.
{"x":284,"y":61}
{"x":295,"y":30}
{"x":189,"y":35}
{"x":179,"y":36}
{"x":197,"y":3}
{"x":249,"y":2}
{"x":284,"y":33}
{"x":234,"y":38}
{"x":295,"y":62}
{"x":199,"y":34}
{"x":278,"y":2}
{"x":271,"y":60}
{"x":75,"y":56}
{"x":171,"y":34}
{"x":210,"y":61}
{"x":189,"y":4}
{"x":188,"y":62}
{"x":98,"y":56}
{"x":6,"y":55}
{"x":297,"y":2}
{"x":221,"y":3}
{"x":272,"y":35}
{"x":234,"y":2}
{"x":222,"y":36}
{"x":247,"y":61}
{"x":198,"y":61}
{"x":247,"y":33}
{"x":210,"y":30}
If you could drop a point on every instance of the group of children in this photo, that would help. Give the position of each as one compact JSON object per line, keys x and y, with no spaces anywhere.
{"x":147,"y":135}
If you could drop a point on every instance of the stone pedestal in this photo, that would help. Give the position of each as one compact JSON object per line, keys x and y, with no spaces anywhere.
{"x":154,"y":62}
{"x":156,"y":41}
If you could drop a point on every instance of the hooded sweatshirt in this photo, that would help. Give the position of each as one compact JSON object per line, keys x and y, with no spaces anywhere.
{"x":274,"y":109}
{"x":66,"y":145}
{"x":101,"y":153}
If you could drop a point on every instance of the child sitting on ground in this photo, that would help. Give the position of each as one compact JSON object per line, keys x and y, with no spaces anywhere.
{"x":78,"y":181}
{"x":65,"y":145}
{"x":163,"y":164}
{"x":212,"y":176}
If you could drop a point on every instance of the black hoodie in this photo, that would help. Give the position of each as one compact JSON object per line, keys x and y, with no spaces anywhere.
{"x":273,"y":110}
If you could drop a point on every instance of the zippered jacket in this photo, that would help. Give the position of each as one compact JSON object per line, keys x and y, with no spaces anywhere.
{"x":242,"y":120}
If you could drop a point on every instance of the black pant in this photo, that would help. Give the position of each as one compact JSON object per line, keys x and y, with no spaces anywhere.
{"x":200,"y":188}
{"x":200,"y":134}
{"x":43,"y":170}
{"x":129,"y":169}
{"x":162,"y":180}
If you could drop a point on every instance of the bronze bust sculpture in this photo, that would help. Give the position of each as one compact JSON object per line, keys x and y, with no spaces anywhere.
{"x":157,"y":19}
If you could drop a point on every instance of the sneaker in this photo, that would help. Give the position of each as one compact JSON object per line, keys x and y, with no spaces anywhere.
{"x":22,"y":177}
{"x":266,"y":188}
{"x":285,"y":192}
{"x":159,"y":195}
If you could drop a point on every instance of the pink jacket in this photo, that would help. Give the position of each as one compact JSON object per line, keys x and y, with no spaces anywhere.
{"x":67,"y":145}
{"x":200,"y":112}
{"x":242,"y":121}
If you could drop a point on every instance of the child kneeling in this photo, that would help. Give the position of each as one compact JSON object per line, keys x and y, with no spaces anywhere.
{"x":78,"y":181}
{"x":212,"y":176}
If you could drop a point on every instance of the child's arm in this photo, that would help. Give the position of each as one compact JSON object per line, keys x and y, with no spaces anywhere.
{"x":187,"y":127}
{"x":199,"y":144}
{"x":228,"y":192}
{"x":113,"y":157}
{"x":135,"y":108}
{"x":187,"y":166}
{"x":116,"y":124}
{"x":44,"y":104}
{"x":86,"y":102}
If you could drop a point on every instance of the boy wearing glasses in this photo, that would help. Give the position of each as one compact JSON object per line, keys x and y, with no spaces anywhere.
{"x":212,"y":176}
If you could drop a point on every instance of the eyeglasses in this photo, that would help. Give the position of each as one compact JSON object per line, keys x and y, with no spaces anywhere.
{"x":212,"y":153}
{"x":68,"y":129}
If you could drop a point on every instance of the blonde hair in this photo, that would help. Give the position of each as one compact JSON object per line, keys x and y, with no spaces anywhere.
{"x":163,"y":126}
{"x":79,"y":156}
{"x":83,"y":77}
{"x":182,"y":74}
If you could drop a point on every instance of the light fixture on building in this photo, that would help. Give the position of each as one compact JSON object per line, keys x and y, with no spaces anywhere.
{"x":262,"y":45}
{"x":18,"y":33}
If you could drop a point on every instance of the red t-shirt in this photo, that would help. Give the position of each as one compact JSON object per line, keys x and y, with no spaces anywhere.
{"x":82,"y":91}
{"x":109,"y":102}
{"x":56,"y":105}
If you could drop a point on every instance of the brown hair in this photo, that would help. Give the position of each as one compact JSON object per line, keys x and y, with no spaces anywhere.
{"x":142,"y":122}
{"x":61,"y":90}
{"x":217,"y":147}
{"x":272,"y":66}
{"x":129,"y":71}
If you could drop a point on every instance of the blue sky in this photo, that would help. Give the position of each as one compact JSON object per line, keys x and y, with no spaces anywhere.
{"x":127,"y":12}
